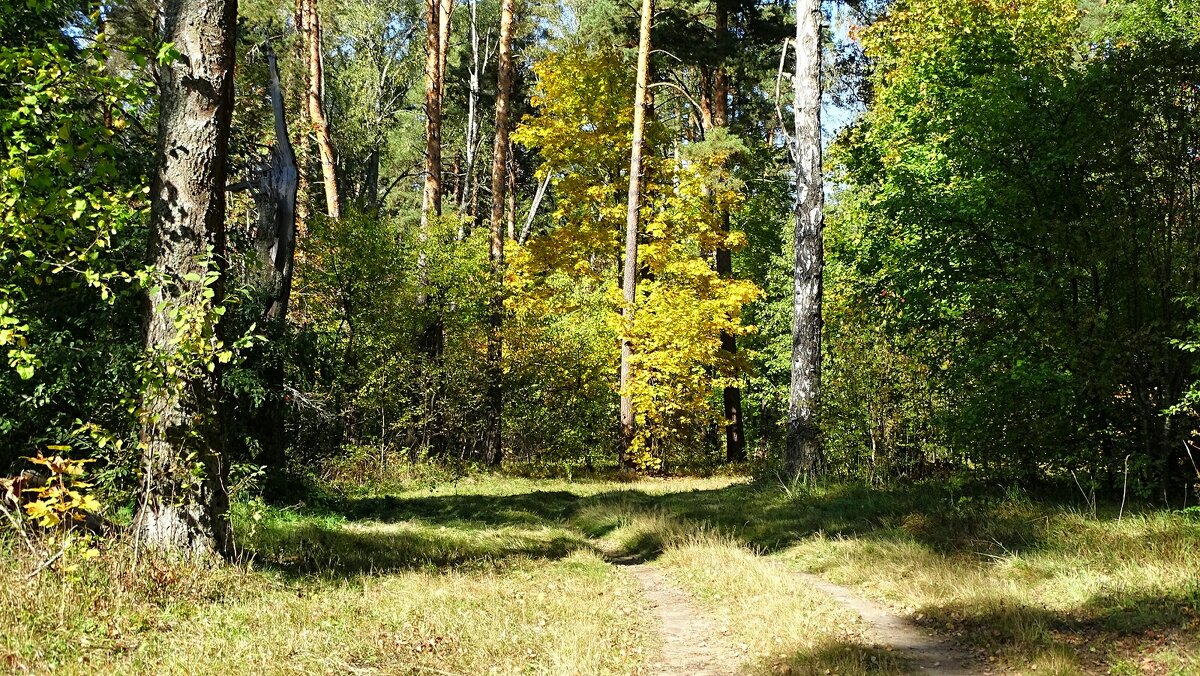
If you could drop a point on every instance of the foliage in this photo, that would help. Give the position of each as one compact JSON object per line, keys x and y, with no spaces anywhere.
{"x":1015,"y":224}
{"x":582,"y":131}
{"x":74,"y":168}
{"x":62,"y":501}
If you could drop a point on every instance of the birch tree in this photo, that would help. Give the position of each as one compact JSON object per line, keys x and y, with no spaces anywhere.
{"x":803,"y":455}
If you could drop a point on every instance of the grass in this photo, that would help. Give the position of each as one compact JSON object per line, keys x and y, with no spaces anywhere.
{"x":500,"y":574}
{"x":1038,"y":588}
{"x":780,"y":624}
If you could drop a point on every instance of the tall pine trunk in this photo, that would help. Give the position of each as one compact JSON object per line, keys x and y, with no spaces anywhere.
{"x":499,"y":187}
{"x":431,"y":195}
{"x":437,"y":31}
{"x":316,"y":109}
{"x":181,"y":428}
{"x":630,"y":272}
{"x":804,"y":454}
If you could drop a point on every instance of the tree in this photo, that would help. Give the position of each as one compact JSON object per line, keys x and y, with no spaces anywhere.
{"x":184,"y":508}
{"x":731,"y":396}
{"x":316,"y":107}
{"x":274,"y":185}
{"x":630,"y":272}
{"x":469,"y":198}
{"x":496,"y":247}
{"x":803,"y":455}
{"x":437,"y":32}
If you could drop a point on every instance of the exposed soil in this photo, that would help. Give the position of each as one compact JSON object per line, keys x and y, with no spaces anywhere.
{"x":927,"y":653}
{"x":689,"y":638}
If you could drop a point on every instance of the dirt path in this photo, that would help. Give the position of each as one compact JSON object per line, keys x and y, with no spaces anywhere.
{"x":928,"y":654}
{"x":690,"y":643}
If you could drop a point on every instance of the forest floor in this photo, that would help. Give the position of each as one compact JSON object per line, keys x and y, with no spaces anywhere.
{"x":497,"y":574}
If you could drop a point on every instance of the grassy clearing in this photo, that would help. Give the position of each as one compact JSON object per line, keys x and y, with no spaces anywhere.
{"x":1036,"y":586}
{"x":499,"y":573}
{"x":566,"y":616}
{"x":327,"y":593}
{"x":776,"y":622}
{"x":780,"y":624}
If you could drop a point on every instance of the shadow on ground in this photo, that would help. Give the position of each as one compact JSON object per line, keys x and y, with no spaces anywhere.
{"x":367,"y":535}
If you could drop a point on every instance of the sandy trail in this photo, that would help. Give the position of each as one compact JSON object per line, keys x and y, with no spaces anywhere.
{"x":691,"y":642}
{"x":928,"y":654}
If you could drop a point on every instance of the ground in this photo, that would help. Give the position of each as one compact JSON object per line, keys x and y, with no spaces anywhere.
{"x":499,"y":574}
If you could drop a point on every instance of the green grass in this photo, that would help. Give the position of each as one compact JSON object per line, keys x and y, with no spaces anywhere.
{"x":498,"y":574}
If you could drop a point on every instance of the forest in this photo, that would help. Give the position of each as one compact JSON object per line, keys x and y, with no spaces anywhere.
{"x":600,"y":336}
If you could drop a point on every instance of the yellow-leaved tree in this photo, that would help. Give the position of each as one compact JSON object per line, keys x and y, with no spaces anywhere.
{"x":581,"y":129}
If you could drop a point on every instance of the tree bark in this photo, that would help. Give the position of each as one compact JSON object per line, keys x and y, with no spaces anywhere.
{"x":804,"y":453}
{"x":275,"y":191}
{"x":316,"y":109}
{"x":437,"y":29}
{"x":181,"y":428}
{"x":500,"y":186}
{"x":276,"y":237}
{"x":629,"y":278}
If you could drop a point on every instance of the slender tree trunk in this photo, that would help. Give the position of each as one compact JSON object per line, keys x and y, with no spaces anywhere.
{"x":510,"y":208}
{"x":629,"y":278}
{"x":301,"y":146}
{"x":804,"y":454}
{"x":478,"y":63}
{"x":181,"y":426}
{"x":533,"y":208}
{"x":735,"y":439}
{"x":431,"y":196}
{"x":499,"y":186}
{"x":437,"y":30}
{"x":316,"y":109}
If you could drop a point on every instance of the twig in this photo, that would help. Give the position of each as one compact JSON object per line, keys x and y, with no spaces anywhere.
{"x":1187,"y":447}
{"x":778,"y":109}
{"x":1091,"y":503}
{"x":17,"y":527}
{"x":50,"y":561}
{"x":686,"y":95}
{"x":1124,"y":489}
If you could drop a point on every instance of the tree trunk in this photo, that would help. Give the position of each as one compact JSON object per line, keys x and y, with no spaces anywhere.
{"x":437,"y":31}
{"x":499,"y":187}
{"x":437,"y":22}
{"x":301,"y":147}
{"x":316,"y":109}
{"x":629,"y":278}
{"x":510,"y":203}
{"x":276,"y":239}
{"x":466,"y":204}
{"x":275,"y":245}
{"x":735,"y":439}
{"x":181,"y":427}
{"x":804,"y":454}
